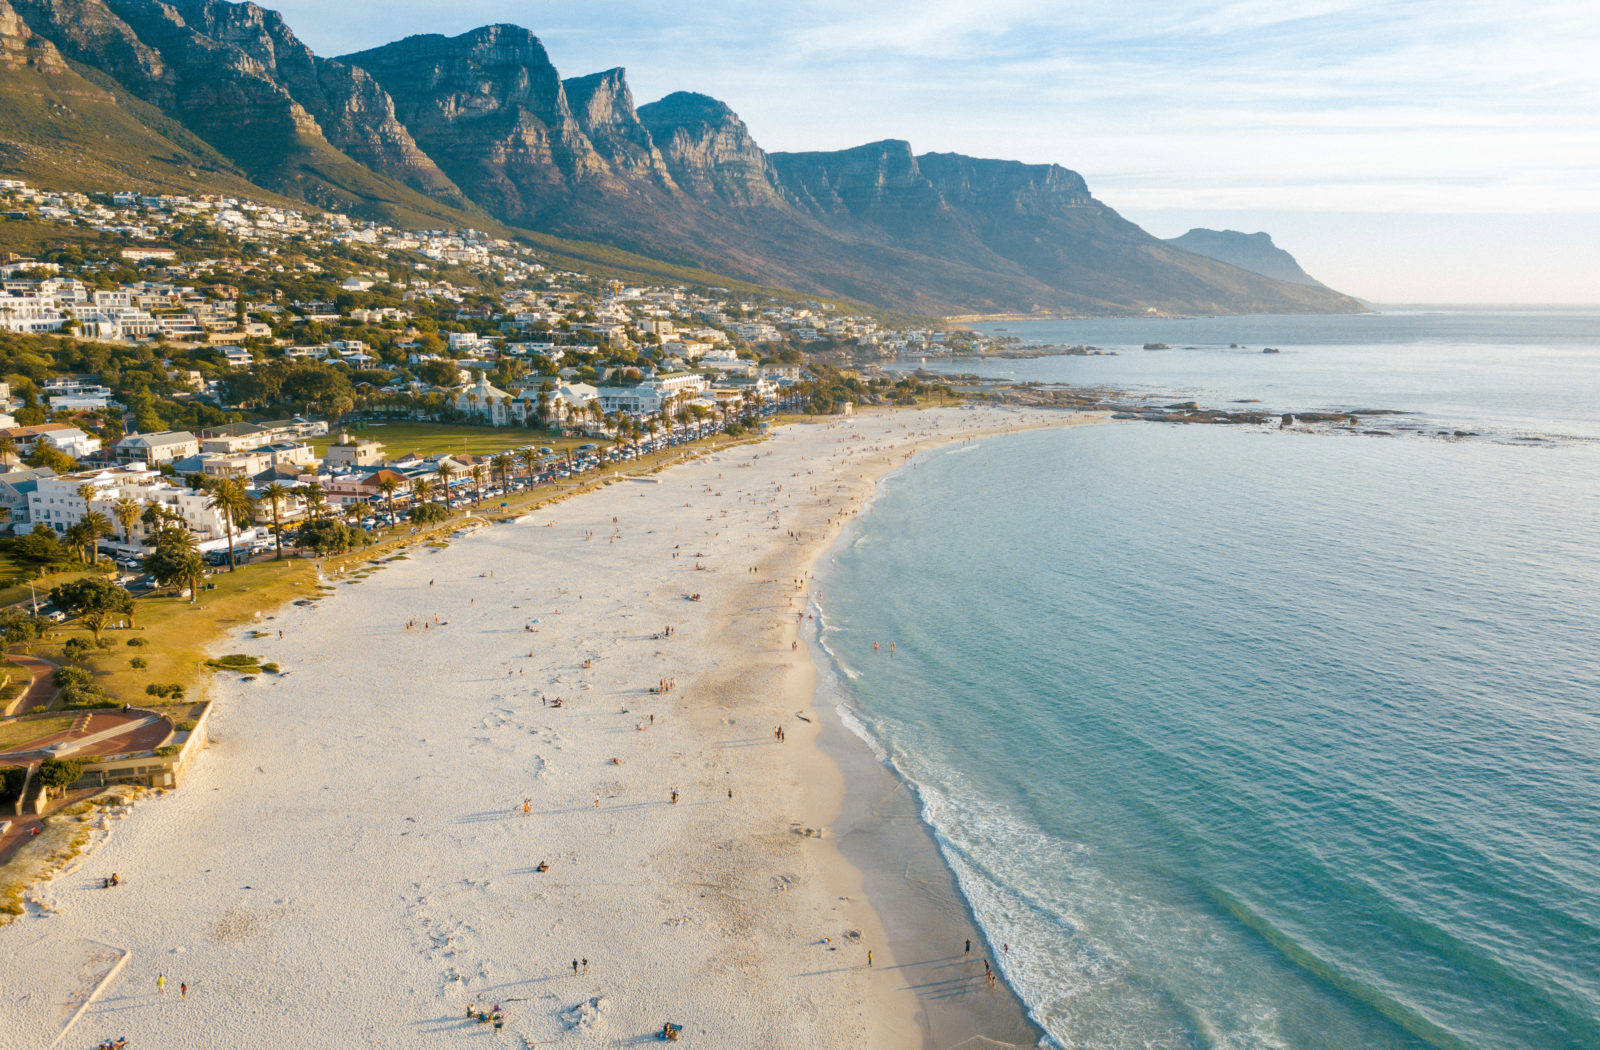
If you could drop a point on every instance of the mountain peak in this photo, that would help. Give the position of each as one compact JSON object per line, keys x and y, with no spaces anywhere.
{"x":1248,"y":251}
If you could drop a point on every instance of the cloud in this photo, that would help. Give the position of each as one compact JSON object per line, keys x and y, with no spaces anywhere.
{"x":1347,"y":106}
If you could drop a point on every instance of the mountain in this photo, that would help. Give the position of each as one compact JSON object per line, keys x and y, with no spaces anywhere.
{"x":481,"y":129}
{"x":234,"y":77}
{"x":61,"y":122}
{"x":1248,"y":251}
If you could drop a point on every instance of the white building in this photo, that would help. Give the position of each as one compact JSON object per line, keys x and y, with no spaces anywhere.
{"x":56,"y":502}
{"x":156,"y":448}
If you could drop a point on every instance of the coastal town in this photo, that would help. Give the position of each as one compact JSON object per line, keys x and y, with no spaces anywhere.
{"x":189,"y":385}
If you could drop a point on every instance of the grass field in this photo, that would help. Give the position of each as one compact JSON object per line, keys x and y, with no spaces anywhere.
{"x":400,"y":436}
{"x":21,"y":730}
{"x":14,"y":578}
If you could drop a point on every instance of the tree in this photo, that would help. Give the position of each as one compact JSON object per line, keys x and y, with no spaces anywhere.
{"x":331,"y":536}
{"x":274,"y":495}
{"x":229,"y":499}
{"x":47,"y":455}
{"x":41,"y":547}
{"x":501,"y":465}
{"x":477,"y":482}
{"x":8,"y":450}
{"x":127,"y":514}
{"x":76,"y":538}
{"x":530,"y":459}
{"x":176,"y":560}
{"x":445,"y":471}
{"x":95,"y":600}
{"x":95,"y":527}
{"x":421,"y":489}
{"x":389,"y":484}
{"x":429,"y":514}
{"x":59,"y":774}
{"x":316,"y":498}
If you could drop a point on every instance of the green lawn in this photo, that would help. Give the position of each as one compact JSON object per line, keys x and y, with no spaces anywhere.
{"x":400,"y":437}
{"x":21,"y":730}
{"x":14,"y":578}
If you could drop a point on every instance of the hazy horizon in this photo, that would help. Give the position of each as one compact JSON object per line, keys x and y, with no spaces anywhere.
{"x":1430,"y":151}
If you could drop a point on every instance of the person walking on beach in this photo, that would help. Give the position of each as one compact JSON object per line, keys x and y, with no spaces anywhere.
{"x":161,"y":983}
{"x":968,"y":949}
{"x":183,"y":989}
{"x":574,"y":967}
{"x":869,"y":958}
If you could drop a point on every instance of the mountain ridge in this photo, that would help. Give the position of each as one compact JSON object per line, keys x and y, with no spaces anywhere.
{"x":482,"y":125}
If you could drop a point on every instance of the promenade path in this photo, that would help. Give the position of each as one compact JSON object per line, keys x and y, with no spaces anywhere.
{"x":41,"y":692}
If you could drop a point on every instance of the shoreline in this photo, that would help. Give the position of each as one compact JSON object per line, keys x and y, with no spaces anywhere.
{"x":727,"y":914}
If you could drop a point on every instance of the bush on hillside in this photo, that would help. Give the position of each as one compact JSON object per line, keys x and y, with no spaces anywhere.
{"x":70,"y":676}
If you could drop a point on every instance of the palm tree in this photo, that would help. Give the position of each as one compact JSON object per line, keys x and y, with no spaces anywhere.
{"x":445,"y":471}
{"x":86,"y":492}
{"x":389,"y":484}
{"x":229,"y":499}
{"x":77,"y":537}
{"x":95,"y":526}
{"x":127,"y":512}
{"x":8,"y":450}
{"x":316,"y":498}
{"x":543,"y":403}
{"x":477,"y":482}
{"x":530,"y":459}
{"x":274,"y":495}
{"x":421,"y":489}
{"x":501,"y":465}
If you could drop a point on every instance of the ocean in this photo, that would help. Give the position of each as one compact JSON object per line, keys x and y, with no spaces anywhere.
{"x":1239,"y":737}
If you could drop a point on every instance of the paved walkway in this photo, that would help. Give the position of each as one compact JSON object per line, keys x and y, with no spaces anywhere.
{"x":42,"y":691}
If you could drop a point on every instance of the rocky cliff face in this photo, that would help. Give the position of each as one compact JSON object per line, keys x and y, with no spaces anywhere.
{"x":1248,"y":251}
{"x":602,"y":105}
{"x":348,"y":107}
{"x":89,"y":32}
{"x":21,"y":48}
{"x":490,"y":107}
{"x":709,"y":151}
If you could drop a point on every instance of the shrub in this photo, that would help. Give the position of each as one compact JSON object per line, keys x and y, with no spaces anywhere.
{"x":75,"y":647}
{"x":105,"y":643}
{"x":428,"y":514}
{"x":168,"y":750}
{"x":138,"y":663}
{"x":137,"y":642}
{"x":235,"y":660}
{"x":65,"y":677}
{"x":174,"y":690}
{"x":186,"y":726}
{"x":270,"y":668}
{"x":86,"y":697}
{"x":60,"y":773}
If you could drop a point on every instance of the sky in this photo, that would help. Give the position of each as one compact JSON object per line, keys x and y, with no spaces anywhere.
{"x":1408,"y":151}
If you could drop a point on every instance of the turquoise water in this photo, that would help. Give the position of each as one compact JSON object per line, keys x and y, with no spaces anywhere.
{"x":1248,"y":739}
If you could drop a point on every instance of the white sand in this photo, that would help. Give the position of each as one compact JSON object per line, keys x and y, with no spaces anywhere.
{"x":349,"y":864}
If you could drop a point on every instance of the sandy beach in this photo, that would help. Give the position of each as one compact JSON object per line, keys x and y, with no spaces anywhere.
{"x":404,"y":826}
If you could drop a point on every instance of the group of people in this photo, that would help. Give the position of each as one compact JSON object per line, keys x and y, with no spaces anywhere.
{"x":496,"y":1017}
